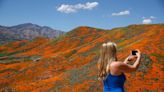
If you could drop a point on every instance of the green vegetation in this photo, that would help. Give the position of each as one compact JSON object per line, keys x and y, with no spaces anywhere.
{"x":59,"y":38}
{"x":95,"y":50}
{"x":159,"y":57}
{"x":146,"y":63}
{"x":156,"y":79}
{"x":71,"y":53}
{"x":146,"y":90}
{"x":12,"y":59}
{"x":8,"y":70}
{"x":2,"y":54}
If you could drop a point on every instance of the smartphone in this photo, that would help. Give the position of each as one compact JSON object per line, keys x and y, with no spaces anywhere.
{"x":134,"y":52}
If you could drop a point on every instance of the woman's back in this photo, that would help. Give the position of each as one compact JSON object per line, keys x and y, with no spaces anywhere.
{"x":114,"y":83}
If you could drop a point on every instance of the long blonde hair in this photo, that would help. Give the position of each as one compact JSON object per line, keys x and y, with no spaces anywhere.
{"x":107,"y":56}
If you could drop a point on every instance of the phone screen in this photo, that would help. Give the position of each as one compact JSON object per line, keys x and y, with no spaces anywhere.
{"x":134,"y":52}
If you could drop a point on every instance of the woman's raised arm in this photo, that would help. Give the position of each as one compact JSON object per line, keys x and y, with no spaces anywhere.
{"x":124,"y":67}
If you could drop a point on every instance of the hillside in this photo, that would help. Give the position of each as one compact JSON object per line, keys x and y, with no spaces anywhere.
{"x":68,"y":63}
{"x":26,"y":31}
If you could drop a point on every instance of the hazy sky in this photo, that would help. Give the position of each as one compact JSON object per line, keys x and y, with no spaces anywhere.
{"x":67,"y":14}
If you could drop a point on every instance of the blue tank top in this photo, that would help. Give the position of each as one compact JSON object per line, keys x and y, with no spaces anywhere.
{"x":114,"y":83}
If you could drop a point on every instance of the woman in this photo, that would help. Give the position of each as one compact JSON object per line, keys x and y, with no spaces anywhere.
{"x":112,"y":71}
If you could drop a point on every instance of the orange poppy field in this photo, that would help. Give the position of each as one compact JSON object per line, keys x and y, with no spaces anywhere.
{"x":69,"y":63}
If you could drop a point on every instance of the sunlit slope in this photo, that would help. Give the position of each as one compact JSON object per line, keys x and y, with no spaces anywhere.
{"x":68,"y":63}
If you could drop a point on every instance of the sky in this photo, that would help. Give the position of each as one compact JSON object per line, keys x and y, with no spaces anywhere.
{"x":66,"y":15}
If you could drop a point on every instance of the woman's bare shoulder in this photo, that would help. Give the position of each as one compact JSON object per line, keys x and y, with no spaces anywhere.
{"x":115,"y":67}
{"x":116,"y":63}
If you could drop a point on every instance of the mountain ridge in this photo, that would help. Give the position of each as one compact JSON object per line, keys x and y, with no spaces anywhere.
{"x":27,"y":31}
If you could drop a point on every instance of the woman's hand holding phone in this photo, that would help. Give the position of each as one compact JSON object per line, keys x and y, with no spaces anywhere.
{"x":134,"y":54}
{"x":138,"y":54}
{"x":132,"y":57}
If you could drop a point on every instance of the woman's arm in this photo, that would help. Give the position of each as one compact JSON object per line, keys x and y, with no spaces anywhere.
{"x":130,"y":58}
{"x":130,"y":68}
{"x":126,"y":60}
{"x":136,"y":64}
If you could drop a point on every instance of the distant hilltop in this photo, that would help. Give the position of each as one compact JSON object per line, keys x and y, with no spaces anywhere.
{"x":27,"y":31}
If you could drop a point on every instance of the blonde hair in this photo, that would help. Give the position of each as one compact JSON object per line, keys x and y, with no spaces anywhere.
{"x":107,"y":56}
